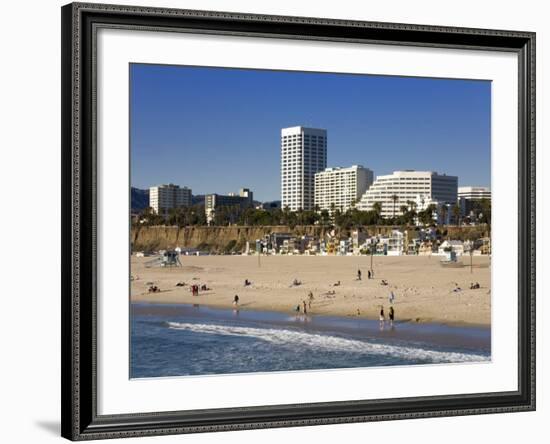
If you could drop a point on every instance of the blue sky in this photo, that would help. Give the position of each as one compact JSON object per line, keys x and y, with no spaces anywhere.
{"x":218,"y":129}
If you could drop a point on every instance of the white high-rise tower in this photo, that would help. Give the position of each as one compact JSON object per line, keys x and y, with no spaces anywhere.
{"x":303,"y":153}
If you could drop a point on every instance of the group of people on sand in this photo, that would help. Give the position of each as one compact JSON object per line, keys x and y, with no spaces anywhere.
{"x":370,"y":274}
{"x":154,"y":289}
{"x":473,"y":286}
{"x":304,"y":306}
{"x":195,"y":289}
{"x":391,"y":316}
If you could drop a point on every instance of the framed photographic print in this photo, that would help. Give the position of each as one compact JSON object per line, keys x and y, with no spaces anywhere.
{"x":275,"y":221}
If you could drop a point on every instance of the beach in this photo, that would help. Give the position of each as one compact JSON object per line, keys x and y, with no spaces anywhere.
{"x":424,"y":290}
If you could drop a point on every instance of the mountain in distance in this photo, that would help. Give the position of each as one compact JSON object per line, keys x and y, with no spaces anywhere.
{"x":139,"y":199}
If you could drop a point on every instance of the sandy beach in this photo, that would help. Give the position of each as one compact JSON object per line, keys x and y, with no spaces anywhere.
{"x":423,"y":289}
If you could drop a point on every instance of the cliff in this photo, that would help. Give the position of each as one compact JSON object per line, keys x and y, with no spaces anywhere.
{"x":234,"y":238}
{"x":209,"y":238}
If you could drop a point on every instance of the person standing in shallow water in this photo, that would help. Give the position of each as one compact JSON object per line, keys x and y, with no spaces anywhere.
{"x":382,"y":316}
{"x":391,"y":315}
{"x":236,"y":300}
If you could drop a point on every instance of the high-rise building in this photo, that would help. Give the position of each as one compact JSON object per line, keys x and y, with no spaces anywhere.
{"x":467,"y":196}
{"x":341,"y":188}
{"x":212,"y":201}
{"x":303,"y":153}
{"x":162,"y":198}
{"x":402,"y":187}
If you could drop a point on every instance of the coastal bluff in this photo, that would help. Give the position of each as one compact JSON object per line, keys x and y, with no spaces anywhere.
{"x":234,"y":238}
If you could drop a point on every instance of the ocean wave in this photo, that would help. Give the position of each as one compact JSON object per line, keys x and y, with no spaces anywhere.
{"x":325,"y":342}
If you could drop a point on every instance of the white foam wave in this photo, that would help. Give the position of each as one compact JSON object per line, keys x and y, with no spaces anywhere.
{"x":329,"y":343}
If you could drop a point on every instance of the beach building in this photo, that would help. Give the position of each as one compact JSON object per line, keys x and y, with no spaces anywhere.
{"x":396,"y":243}
{"x":341,"y":188}
{"x":344,"y":247}
{"x":454,"y":246}
{"x":244,"y":199}
{"x":425,"y":248}
{"x":163,"y":198}
{"x":468,"y":196}
{"x":303,"y":153}
{"x":413,"y":246}
{"x":403,"y":187}
{"x":358,"y":240}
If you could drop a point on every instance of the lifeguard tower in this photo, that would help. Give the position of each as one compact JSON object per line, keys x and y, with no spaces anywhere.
{"x":168,"y":258}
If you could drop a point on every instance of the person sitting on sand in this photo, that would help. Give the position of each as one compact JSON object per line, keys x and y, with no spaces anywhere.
{"x":236,"y":300}
{"x":384,"y":282}
{"x":337,"y":284}
{"x":457,"y":288}
{"x":204,"y":287}
{"x":180,"y":284}
{"x":246,"y":282}
{"x":296,"y":282}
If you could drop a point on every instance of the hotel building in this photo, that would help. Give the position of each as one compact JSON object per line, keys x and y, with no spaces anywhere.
{"x":212,"y":201}
{"x":303,"y":153}
{"x":162,"y":198}
{"x":341,"y":188}
{"x":468,"y":195}
{"x":407,"y":186}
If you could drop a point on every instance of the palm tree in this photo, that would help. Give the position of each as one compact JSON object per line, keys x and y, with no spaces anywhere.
{"x":394,"y":198}
{"x":426,"y":216}
{"x":377,"y":208}
{"x":456,"y":213}
{"x":443,"y":213}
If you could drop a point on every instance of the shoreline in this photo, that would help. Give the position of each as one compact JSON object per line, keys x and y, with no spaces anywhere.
{"x":464,"y":337}
{"x":197,"y":301}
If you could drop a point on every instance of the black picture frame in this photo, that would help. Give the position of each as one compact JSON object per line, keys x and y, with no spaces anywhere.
{"x":80,"y":420}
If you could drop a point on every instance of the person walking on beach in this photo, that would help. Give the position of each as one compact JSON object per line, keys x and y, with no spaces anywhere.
{"x":391,"y":315}
{"x":382,"y":317}
{"x":392,"y":297}
{"x":305,"y":307}
{"x":368,"y":275}
{"x":236,"y":300}
{"x":310,"y":299}
{"x":358,"y":275}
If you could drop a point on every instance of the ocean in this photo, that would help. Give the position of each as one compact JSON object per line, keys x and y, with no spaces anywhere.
{"x":185,"y":340}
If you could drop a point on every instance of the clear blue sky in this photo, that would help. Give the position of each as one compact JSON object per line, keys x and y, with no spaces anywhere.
{"x":216,"y":130}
